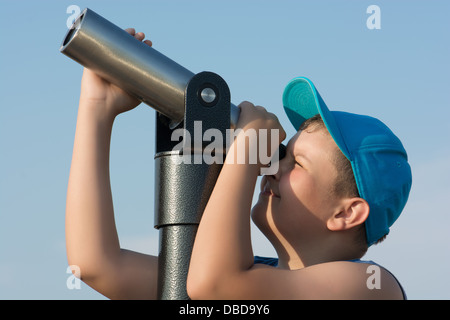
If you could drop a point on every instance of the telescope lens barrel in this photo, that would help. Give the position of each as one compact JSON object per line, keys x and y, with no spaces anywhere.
{"x":125,"y":61}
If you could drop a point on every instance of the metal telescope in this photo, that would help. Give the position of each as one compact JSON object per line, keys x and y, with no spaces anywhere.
{"x":137,"y":68}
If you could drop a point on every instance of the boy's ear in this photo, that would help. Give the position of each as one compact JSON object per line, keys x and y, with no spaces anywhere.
{"x":351,"y":213}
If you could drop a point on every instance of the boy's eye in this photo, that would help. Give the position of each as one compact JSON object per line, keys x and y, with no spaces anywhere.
{"x":298,"y":164}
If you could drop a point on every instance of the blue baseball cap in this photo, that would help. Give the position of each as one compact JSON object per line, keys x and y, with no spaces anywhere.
{"x":378,"y":158}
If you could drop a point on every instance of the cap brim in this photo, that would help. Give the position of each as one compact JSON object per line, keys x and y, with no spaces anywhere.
{"x":301,"y":101}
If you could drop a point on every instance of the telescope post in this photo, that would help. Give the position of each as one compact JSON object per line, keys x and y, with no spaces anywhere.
{"x":183,"y":181}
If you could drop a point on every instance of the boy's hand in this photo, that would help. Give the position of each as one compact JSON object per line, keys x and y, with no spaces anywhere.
{"x":258,"y":119}
{"x":105,"y":96}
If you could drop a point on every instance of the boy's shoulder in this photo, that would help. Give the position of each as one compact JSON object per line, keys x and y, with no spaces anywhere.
{"x":353,"y":280}
{"x":347,"y":280}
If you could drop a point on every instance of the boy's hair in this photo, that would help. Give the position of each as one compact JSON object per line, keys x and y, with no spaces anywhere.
{"x":345,"y":184}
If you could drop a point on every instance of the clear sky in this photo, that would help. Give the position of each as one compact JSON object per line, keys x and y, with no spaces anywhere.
{"x":399,"y":73}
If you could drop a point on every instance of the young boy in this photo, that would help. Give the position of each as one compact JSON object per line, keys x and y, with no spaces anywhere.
{"x":343,"y":182}
{"x":314,"y":227}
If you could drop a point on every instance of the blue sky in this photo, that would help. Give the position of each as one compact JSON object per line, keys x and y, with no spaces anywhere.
{"x":399,"y":73}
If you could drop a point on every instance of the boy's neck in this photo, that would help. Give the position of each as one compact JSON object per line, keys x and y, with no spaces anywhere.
{"x":310,"y":255}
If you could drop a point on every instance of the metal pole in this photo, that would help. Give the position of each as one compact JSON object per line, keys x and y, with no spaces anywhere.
{"x":182,"y":188}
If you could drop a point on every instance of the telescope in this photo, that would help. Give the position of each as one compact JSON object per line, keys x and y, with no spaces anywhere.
{"x":133,"y":66}
{"x":181,"y":99}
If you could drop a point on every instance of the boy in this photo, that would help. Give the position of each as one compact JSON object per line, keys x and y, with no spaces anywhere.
{"x":93,"y":245}
{"x":320,"y":211}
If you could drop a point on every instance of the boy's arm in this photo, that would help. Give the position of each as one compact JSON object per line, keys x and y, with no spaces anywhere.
{"x":91,"y":235}
{"x":222,"y":251}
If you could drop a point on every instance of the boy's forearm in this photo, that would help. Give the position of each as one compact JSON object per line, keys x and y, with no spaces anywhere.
{"x":223,"y":243}
{"x":90,"y":228}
